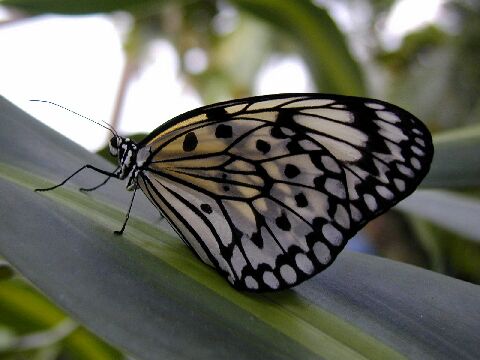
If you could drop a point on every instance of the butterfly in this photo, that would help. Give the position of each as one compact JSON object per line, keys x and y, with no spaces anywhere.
{"x":269,"y":189}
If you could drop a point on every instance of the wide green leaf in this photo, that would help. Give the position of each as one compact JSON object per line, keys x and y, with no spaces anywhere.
{"x":451,"y":211}
{"x":457,"y":162}
{"x":146,"y":293}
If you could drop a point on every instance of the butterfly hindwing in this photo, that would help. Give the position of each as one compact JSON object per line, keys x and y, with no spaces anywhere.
{"x":269,"y":189}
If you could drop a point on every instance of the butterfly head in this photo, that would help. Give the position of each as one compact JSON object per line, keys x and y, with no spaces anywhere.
{"x":115,"y":144}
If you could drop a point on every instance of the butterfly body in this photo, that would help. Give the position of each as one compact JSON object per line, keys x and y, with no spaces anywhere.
{"x":269,"y":189}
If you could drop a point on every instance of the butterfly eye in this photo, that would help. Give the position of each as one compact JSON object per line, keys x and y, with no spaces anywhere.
{"x":113,"y":146}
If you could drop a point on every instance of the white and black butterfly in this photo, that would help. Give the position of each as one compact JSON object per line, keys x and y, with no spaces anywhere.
{"x":269,"y":189}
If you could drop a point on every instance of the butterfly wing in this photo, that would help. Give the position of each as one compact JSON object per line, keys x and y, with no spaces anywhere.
{"x":269,"y":189}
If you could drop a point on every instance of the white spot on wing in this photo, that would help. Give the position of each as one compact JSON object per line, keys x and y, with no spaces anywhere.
{"x":342,"y":151}
{"x":304,"y":263}
{"x":308,"y":145}
{"x":238,"y":261}
{"x":370,"y":201}
{"x":375,"y":106}
{"x":322,"y":253}
{"x":333,"y":236}
{"x":352,"y":182}
{"x":415,"y":163}
{"x":288,"y":274}
{"x":341,"y":217}
{"x":356,"y":214}
{"x":287,"y":131}
{"x":335,"y":187}
{"x":388,"y":116}
{"x":251,"y":283}
{"x":330,"y":164}
{"x":417,"y":151}
{"x":420,"y":141}
{"x":270,"y":279}
{"x":384,"y":192}
{"x":400,"y":184}
{"x":390,"y":132}
{"x":405,"y":170}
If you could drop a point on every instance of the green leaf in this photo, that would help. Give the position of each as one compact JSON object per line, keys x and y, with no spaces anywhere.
{"x":146,"y":293}
{"x":6,"y":271}
{"x":38,"y":324}
{"x":454,"y":212}
{"x":333,"y":67}
{"x":456,"y":162}
{"x":72,"y":7}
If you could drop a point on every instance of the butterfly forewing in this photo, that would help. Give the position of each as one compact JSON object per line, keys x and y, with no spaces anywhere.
{"x":269,"y":189}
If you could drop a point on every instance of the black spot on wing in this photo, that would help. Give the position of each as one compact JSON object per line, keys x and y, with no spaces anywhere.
{"x":223,"y":131}
{"x":291,"y":171}
{"x":263,"y":146}
{"x":216,"y":113}
{"x":206,"y":208}
{"x":277,"y":133}
{"x":190,"y":142}
{"x":283,"y":223}
{"x":301,"y":200}
{"x":257,"y":239}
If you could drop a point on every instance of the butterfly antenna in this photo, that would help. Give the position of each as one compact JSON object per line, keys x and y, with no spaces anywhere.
{"x":105,"y":125}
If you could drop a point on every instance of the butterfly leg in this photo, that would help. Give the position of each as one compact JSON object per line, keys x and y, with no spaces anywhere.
{"x":120,"y":232}
{"x":109,"y":174}
{"x":99,"y":185}
{"x":96,"y":187}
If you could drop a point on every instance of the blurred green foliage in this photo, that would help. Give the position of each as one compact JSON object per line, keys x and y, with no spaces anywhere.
{"x":434,"y":74}
{"x":31,"y":327}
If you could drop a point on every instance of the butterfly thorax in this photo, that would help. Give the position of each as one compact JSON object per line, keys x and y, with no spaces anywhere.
{"x":125,"y":150}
